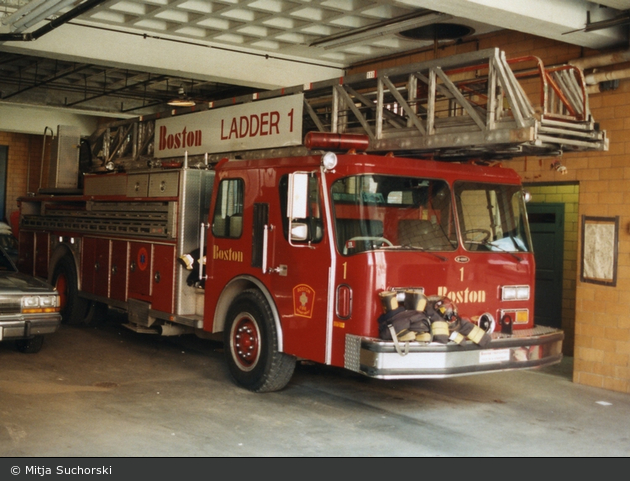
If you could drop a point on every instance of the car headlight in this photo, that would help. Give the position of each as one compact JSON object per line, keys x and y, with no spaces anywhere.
{"x":48,"y":301}
{"x":31,"y":301}
{"x":40,"y":304}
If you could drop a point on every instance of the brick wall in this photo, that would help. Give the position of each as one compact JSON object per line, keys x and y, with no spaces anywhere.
{"x":597,"y":318}
{"x":23,"y":150}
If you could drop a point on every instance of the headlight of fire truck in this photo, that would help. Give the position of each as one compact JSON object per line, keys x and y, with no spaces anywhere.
{"x":515,"y":293}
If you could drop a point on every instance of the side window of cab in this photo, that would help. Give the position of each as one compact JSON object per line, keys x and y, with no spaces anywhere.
{"x":228,"y":211}
{"x":313,"y":220}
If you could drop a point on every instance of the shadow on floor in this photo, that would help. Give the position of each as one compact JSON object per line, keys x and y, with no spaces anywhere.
{"x":563,"y":369}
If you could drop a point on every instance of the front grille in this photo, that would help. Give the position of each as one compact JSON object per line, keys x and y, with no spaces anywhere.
{"x":10,"y":304}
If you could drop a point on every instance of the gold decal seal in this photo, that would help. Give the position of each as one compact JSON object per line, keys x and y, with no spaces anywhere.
{"x":303,"y":300}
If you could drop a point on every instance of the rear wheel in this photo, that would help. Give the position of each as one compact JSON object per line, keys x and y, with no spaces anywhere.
{"x":73,"y":308}
{"x":30,"y":346}
{"x":251,"y":345}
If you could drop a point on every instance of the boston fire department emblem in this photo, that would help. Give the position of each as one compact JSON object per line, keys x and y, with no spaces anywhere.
{"x":143,"y":258}
{"x":303,"y":300}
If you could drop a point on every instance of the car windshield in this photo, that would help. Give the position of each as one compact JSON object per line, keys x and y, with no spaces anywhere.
{"x":492,"y":217}
{"x":393,"y":212}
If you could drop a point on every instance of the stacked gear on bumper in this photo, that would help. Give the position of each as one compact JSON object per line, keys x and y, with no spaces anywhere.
{"x":426,"y":338}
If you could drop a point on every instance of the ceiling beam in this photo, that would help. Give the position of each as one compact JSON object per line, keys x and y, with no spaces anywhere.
{"x":173,"y":57}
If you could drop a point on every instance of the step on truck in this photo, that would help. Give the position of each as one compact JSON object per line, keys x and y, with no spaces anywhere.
{"x":280,"y":221}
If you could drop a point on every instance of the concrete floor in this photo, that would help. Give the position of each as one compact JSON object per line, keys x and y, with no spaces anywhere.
{"x":106,"y":391}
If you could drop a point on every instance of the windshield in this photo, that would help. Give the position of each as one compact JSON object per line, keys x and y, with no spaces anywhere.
{"x":390,"y":212}
{"x":492,"y":217}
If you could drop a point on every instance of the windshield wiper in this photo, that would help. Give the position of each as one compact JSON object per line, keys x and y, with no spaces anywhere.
{"x":486,"y":243}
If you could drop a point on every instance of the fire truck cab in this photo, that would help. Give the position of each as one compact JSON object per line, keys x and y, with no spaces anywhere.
{"x":319,"y":239}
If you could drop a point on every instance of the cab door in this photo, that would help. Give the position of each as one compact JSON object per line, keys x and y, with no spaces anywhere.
{"x":297,"y":269}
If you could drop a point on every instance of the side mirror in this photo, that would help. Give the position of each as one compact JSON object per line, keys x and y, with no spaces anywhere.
{"x":299,"y":232}
{"x":298,"y":196}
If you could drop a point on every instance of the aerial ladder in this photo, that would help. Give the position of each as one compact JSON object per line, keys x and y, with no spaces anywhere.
{"x":472,"y":105}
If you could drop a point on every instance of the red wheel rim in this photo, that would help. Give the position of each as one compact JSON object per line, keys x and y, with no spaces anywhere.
{"x":245,"y":342}
{"x":62,"y":285}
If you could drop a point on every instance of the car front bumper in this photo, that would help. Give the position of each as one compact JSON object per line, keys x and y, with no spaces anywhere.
{"x":28,"y":327}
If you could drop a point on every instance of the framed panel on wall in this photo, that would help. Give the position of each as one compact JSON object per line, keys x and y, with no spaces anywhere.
{"x":600,"y":239}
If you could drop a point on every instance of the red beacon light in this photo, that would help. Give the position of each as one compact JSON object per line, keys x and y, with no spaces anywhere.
{"x":325,"y":140}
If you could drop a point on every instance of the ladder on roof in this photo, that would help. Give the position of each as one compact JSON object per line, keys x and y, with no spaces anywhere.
{"x":477,"y":104}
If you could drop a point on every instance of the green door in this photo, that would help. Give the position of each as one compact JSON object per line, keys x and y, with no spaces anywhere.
{"x":546,"y":222}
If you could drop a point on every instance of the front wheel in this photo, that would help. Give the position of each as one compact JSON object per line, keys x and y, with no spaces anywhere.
{"x":251,"y":345}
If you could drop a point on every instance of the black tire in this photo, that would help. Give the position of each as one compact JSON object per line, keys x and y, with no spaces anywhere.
{"x":73,"y":308}
{"x":251,"y":345}
{"x":30,"y":346}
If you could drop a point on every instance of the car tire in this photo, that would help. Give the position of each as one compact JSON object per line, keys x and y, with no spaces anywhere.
{"x":30,"y":346}
{"x":73,"y":308}
{"x":251,"y":345}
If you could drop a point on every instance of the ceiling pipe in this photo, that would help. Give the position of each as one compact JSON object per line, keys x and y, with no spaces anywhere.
{"x":595,"y":78}
{"x":603,"y":60}
{"x":57,"y":22}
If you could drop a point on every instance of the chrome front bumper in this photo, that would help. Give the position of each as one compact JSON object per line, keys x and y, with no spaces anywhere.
{"x":529,"y":348}
{"x":18,"y":328}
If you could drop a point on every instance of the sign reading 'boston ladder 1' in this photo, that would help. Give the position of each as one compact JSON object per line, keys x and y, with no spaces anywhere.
{"x":263,"y":124}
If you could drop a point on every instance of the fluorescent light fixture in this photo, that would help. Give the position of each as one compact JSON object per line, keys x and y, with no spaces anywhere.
{"x":26,"y":9}
{"x":34,"y":12}
{"x":394,"y":25}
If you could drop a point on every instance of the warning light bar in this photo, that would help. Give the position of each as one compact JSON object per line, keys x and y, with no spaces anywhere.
{"x":325,"y":140}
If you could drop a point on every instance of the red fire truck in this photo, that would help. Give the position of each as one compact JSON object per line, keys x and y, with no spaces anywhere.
{"x":278,"y":220}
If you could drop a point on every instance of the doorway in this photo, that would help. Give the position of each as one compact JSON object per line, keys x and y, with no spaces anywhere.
{"x":546,"y":223}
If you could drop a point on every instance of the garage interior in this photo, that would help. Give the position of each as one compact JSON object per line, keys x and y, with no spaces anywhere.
{"x":86,"y":63}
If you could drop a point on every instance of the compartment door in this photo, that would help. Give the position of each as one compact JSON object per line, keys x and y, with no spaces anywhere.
{"x":140,"y":270}
{"x":163,"y":277}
